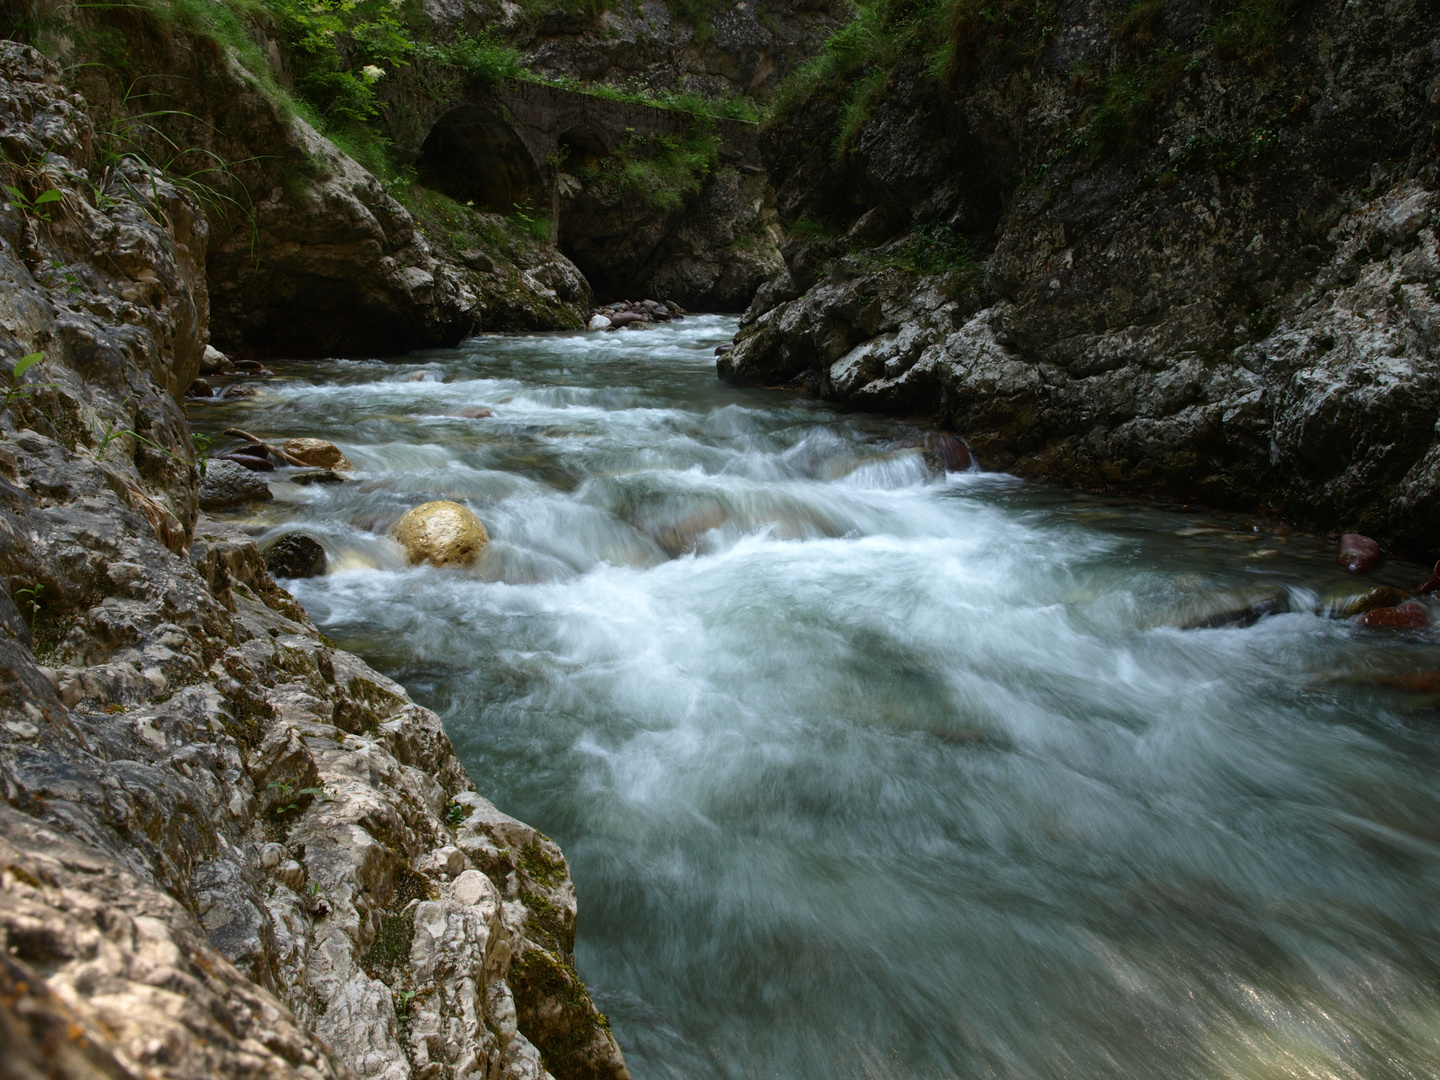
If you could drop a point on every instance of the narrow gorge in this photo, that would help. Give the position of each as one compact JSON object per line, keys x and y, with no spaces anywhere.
{"x":416,"y":663}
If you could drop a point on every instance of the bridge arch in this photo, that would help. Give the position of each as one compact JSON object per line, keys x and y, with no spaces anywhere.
{"x":472,"y":154}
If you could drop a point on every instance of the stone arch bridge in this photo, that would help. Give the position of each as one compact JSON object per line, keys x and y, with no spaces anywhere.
{"x":497,"y":145}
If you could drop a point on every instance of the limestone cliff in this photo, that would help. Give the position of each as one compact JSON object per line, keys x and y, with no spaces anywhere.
{"x":1178,"y":248}
{"x":226,"y":847}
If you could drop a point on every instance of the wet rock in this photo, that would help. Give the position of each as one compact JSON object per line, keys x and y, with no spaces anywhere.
{"x":249,"y":449}
{"x":1241,"y":615}
{"x":1432,"y":584}
{"x":675,"y":309}
{"x":251,"y":367}
{"x":317,"y":453}
{"x":951,"y":450}
{"x":625,"y":318}
{"x":295,"y":555}
{"x":599,"y":322}
{"x":1358,"y":554}
{"x":479,"y":412}
{"x":238,"y":392}
{"x":721,"y":350}
{"x":1382,"y":596}
{"x":200,"y":389}
{"x":305,"y":477}
{"x":248,"y":461}
{"x":227,"y":484}
{"x":442,"y":533}
{"x":214,"y":362}
{"x":1407,"y":616}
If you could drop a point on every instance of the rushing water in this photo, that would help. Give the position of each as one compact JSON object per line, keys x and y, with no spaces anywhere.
{"x":868,"y":772}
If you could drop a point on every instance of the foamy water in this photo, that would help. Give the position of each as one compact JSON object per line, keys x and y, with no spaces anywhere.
{"x":865,"y":771}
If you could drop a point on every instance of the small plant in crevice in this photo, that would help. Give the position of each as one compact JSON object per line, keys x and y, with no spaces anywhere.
{"x":18,"y":391}
{"x":28,"y":601}
{"x":31,"y":208}
{"x":289,"y":792}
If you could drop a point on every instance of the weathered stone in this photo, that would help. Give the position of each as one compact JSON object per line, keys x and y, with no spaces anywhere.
{"x":442,"y":533}
{"x":295,"y":555}
{"x":196,"y":890}
{"x":228,"y":484}
{"x":598,"y":322}
{"x":317,"y":453}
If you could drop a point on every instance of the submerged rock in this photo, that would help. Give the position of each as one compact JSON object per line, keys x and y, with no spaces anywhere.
{"x":1382,"y":596}
{"x":229,"y":484}
{"x":295,"y":555}
{"x":442,"y":533}
{"x":1409,"y":615}
{"x":317,"y":453}
{"x":1276,"y":603}
{"x":306,"y":477}
{"x":1358,"y":554}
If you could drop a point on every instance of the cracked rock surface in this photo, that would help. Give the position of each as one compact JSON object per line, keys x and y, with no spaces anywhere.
{"x":226,"y":848}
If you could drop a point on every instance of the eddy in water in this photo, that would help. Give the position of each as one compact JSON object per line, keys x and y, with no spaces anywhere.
{"x":866,"y":768}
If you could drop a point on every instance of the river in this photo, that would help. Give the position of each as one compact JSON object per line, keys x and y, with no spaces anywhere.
{"x":868,"y":771}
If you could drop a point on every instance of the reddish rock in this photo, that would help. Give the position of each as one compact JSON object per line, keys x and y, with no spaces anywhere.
{"x":1431,"y":585}
{"x":477,"y":413}
{"x":1408,"y":615}
{"x":1358,"y":554}
{"x":625,"y":318}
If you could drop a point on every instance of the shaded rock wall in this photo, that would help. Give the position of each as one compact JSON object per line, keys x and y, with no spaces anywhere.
{"x":226,"y":848}
{"x":309,"y":253}
{"x":1232,"y":300}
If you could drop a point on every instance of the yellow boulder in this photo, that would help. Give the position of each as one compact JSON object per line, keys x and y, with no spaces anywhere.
{"x":317,"y":453}
{"x":442,"y":533}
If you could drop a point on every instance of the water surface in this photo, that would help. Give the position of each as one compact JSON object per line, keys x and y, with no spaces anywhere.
{"x":865,"y":771}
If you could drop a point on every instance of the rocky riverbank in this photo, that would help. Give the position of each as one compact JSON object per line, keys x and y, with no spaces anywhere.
{"x":1180,"y":251}
{"x":226,"y":847}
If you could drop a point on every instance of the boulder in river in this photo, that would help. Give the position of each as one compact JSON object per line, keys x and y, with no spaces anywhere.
{"x":1382,"y":596}
{"x":214,"y":362}
{"x":599,"y":322}
{"x":442,"y":533}
{"x":951,"y":450}
{"x":1406,"y":616}
{"x":227,"y":484}
{"x":295,"y":555}
{"x":317,"y":453}
{"x":625,"y":318}
{"x":1358,"y":554}
{"x":479,"y":412}
{"x":1432,"y":584}
{"x":306,"y":477}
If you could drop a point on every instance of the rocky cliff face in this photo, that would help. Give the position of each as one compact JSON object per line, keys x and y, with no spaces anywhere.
{"x":1143,"y":252}
{"x":226,"y":848}
{"x":718,"y":50}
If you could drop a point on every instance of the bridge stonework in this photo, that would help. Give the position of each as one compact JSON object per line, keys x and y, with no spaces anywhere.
{"x":498,"y":140}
